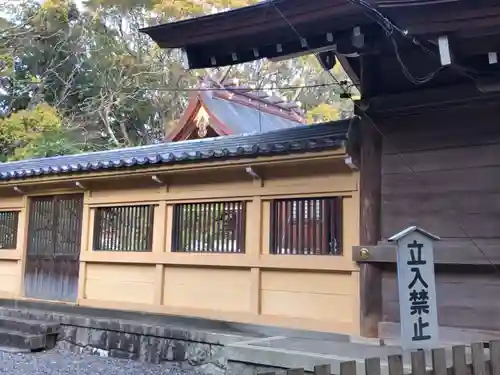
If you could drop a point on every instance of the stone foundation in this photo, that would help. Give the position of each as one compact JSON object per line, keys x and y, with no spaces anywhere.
{"x":186,"y":348}
{"x":203,"y":345}
{"x":142,"y":347}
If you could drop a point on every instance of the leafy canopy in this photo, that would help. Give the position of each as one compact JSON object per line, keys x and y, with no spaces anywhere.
{"x":81,"y":78}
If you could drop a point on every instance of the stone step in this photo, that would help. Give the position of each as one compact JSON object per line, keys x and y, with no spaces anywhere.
{"x":23,"y":340}
{"x":29,"y":325}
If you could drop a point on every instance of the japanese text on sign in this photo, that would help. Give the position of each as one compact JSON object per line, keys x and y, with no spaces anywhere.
{"x":418,"y":294}
{"x":417,"y":291}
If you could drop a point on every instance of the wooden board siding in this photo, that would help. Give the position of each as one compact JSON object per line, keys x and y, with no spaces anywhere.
{"x":252,"y":287}
{"x":454,"y":180}
{"x":464,"y":298}
{"x":312,"y":294}
{"x":9,"y":276}
{"x":120,"y":283}
{"x":441,"y":171}
{"x":296,"y":291}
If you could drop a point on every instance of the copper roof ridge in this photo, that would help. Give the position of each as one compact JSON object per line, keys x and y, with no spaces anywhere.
{"x":224,"y":91}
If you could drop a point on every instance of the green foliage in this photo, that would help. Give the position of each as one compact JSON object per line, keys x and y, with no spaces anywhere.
{"x":323,"y":112}
{"x":83,"y":79}
{"x":30,"y":133}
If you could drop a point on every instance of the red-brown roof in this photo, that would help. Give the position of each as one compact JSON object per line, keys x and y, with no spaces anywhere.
{"x":237,"y":110}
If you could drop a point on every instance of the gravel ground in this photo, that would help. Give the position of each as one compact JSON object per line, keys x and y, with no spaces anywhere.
{"x":60,"y":362}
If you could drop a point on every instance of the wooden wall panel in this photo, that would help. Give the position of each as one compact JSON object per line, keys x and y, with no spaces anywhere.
{"x":442,"y":159}
{"x":9,"y":277}
{"x":459,"y":127}
{"x":464,"y":299}
{"x":342,"y":181}
{"x":441,"y":171}
{"x":207,"y":288}
{"x":120,"y":283}
{"x":305,"y":292}
{"x":9,"y":203}
{"x":112,"y":193}
{"x":443,"y":176}
{"x":309,"y":295}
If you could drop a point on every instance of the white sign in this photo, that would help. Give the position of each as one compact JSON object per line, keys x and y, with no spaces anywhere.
{"x":417,"y":288}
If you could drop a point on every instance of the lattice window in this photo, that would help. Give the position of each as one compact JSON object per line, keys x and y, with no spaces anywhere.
{"x":125,"y":228}
{"x":9,"y":221}
{"x":309,"y":211}
{"x":306,"y":226}
{"x":216,"y":227}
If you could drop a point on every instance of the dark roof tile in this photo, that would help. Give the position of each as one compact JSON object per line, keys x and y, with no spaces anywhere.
{"x":311,"y":138}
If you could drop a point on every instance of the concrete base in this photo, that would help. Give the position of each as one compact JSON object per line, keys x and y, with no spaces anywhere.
{"x":448,"y":335}
{"x":213,"y":347}
{"x":17,"y":333}
{"x":135,"y":339}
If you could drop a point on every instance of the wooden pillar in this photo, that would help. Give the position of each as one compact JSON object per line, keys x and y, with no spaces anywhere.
{"x":370,"y":202}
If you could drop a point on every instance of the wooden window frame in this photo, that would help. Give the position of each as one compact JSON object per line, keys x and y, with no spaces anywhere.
{"x":197,"y":238}
{"x":14,"y":228}
{"x":131,"y":241}
{"x":295,"y":230}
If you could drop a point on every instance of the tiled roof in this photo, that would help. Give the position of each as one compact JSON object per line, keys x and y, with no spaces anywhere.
{"x":241,"y":118}
{"x":260,"y":99}
{"x":236,"y":109}
{"x":312,"y":138}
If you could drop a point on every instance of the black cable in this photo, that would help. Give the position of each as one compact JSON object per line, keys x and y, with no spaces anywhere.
{"x":188,"y":89}
{"x":388,"y":26}
{"x":384,"y":136}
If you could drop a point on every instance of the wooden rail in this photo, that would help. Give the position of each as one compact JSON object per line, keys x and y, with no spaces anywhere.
{"x":484,"y":360}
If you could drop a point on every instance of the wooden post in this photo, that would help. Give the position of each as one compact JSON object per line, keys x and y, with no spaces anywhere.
{"x":479,"y":364}
{"x":22,"y":244}
{"x":370,"y":202}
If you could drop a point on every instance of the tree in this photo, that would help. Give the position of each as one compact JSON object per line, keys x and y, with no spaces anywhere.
{"x":111,"y":86}
{"x":31,"y":133}
{"x":318,"y":93}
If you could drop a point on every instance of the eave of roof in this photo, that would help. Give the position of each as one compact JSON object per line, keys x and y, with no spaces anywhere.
{"x":260,"y":17}
{"x":251,"y":33}
{"x":254,"y":32}
{"x":314,"y":138}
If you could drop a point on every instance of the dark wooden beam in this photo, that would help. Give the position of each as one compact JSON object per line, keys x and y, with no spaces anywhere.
{"x":370,"y":201}
{"x":368,"y":75}
{"x":427,"y":99}
{"x":349,"y":69}
{"x":453,"y":252}
{"x":445,"y":18}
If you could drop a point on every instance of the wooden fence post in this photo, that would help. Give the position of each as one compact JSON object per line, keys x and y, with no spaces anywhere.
{"x":495,"y":357}
{"x":372,"y":366}
{"x":348,"y":368}
{"x":479,"y":365}
{"x":439,"y":361}
{"x":459,"y":363}
{"x":395,"y":363}
{"x":322,"y":370}
{"x":418,"y":366}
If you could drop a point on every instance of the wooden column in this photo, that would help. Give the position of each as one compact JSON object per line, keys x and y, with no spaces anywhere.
{"x":86,"y":244}
{"x":162,"y":220}
{"x":370,"y":202}
{"x":22,"y":243}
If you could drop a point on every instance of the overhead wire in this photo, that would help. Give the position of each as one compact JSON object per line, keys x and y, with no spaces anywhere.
{"x":388,"y":26}
{"x":188,"y":89}
{"x":372,"y":123}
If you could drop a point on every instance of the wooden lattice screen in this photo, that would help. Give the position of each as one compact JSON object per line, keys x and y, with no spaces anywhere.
{"x":216,"y":227}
